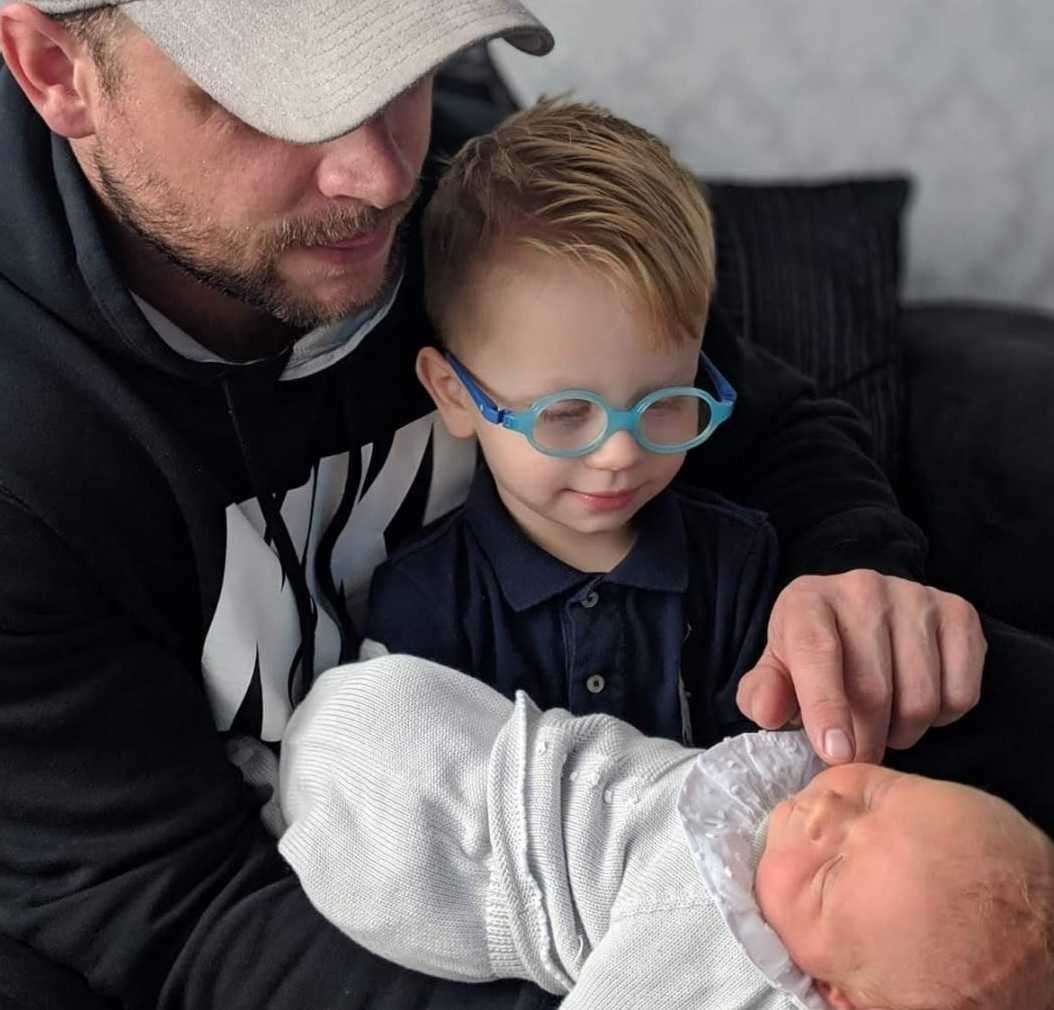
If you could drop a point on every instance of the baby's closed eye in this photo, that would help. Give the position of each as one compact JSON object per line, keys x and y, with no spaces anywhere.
{"x":826,"y":874}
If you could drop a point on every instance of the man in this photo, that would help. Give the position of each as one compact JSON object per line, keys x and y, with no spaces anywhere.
{"x":211,"y":434}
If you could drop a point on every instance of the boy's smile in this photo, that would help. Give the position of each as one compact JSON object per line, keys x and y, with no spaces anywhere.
{"x":608,"y":501}
{"x":533,"y":324}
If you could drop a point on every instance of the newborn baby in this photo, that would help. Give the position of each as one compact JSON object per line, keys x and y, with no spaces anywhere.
{"x":890,"y":890}
{"x":895,"y":891}
{"x":450,"y":830}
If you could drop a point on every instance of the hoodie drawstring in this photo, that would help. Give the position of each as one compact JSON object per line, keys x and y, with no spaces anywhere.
{"x":302,"y":669}
{"x":350,"y":637}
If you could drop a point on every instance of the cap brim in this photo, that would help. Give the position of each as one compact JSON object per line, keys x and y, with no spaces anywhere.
{"x":315,"y":69}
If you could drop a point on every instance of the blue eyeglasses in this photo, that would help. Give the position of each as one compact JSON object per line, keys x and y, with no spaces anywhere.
{"x":576,"y":422}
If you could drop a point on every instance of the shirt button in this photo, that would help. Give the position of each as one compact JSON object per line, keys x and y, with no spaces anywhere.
{"x":590,"y":599}
{"x":596,"y":684}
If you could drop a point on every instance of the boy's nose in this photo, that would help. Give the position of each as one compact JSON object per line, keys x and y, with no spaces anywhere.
{"x":619,"y":452}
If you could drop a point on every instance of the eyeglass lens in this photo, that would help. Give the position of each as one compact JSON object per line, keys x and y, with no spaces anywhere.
{"x":674,"y":420}
{"x":570,"y":424}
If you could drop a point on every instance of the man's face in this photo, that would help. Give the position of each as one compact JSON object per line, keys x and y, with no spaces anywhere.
{"x":307,"y":233}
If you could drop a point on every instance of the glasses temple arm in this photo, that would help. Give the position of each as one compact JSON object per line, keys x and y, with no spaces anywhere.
{"x":721,"y":384}
{"x":487,"y":407}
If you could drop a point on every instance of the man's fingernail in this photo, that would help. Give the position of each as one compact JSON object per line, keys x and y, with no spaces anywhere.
{"x":837,"y":746}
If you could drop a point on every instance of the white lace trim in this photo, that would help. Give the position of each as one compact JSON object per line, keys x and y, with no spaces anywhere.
{"x":724,"y":806}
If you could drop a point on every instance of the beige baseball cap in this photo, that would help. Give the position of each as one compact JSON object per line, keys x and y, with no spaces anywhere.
{"x":311,"y":70}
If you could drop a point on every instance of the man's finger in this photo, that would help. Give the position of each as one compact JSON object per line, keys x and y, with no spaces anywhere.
{"x":962,"y":648}
{"x":862,"y":621}
{"x":869,"y":687}
{"x":916,"y":671}
{"x":809,"y":644}
{"x":766,"y":693}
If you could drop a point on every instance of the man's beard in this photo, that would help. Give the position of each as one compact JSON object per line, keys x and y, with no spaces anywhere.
{"x":219,"y":257}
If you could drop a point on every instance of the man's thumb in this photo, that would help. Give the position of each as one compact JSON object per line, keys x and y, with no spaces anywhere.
{"x":766,"y":693}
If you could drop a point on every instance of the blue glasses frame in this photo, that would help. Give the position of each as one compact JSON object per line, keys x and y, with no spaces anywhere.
{"x":523,"y":421}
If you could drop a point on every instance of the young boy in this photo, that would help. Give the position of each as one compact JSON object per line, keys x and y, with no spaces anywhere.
{"x":570,"y":266}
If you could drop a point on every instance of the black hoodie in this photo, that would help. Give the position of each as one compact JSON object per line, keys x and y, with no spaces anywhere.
{"x":175,"y":536}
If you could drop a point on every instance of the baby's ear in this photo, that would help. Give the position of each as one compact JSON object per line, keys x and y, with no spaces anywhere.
{"x":838,"y":999}
{"x":447,"y":393}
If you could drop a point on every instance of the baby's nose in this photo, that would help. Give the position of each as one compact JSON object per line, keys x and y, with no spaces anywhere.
{"x":827,"y":813}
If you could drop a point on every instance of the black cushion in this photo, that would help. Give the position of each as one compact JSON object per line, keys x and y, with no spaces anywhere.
{"x":811,"y":272}
{"x":979,"y":467}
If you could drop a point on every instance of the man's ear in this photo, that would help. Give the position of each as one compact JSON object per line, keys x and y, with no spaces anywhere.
{"x":836,"y":998}
{"x":55,"y":70}
{"x":451,"y":400}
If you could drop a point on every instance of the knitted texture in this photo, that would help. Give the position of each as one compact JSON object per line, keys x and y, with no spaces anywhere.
{"x":455,"y":832}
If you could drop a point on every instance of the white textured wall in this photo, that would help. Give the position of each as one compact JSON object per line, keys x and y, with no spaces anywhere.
{"x":958,"y":92}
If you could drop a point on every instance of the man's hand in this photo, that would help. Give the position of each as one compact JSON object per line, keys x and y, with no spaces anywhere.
{"x":865,"y":661}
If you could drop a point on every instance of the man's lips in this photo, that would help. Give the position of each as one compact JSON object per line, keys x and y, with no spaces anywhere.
{"x":366,"y":238}
{"x":356,"y":248}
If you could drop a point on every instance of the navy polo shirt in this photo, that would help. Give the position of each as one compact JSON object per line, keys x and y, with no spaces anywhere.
{"x":473,"y":592}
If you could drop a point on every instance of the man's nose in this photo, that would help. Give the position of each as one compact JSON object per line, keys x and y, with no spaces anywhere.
{"x":367,"y":165}
{"x":619,"y":452}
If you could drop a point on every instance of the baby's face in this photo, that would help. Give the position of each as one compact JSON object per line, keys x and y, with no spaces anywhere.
{"x":857,"y":871}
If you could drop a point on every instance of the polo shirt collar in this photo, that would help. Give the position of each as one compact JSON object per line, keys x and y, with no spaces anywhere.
{"x":529,"y":575}
{"x":659,"y":559}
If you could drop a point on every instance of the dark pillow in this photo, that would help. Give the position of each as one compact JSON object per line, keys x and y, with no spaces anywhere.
{"x":811,"y":272}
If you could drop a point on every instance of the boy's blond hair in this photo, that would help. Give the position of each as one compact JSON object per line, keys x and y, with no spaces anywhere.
{"x":573,"y":180}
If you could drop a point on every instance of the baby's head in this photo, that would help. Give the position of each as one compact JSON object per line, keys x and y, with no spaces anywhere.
{"x":896,"y":892}
{"x":567,"y":250}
